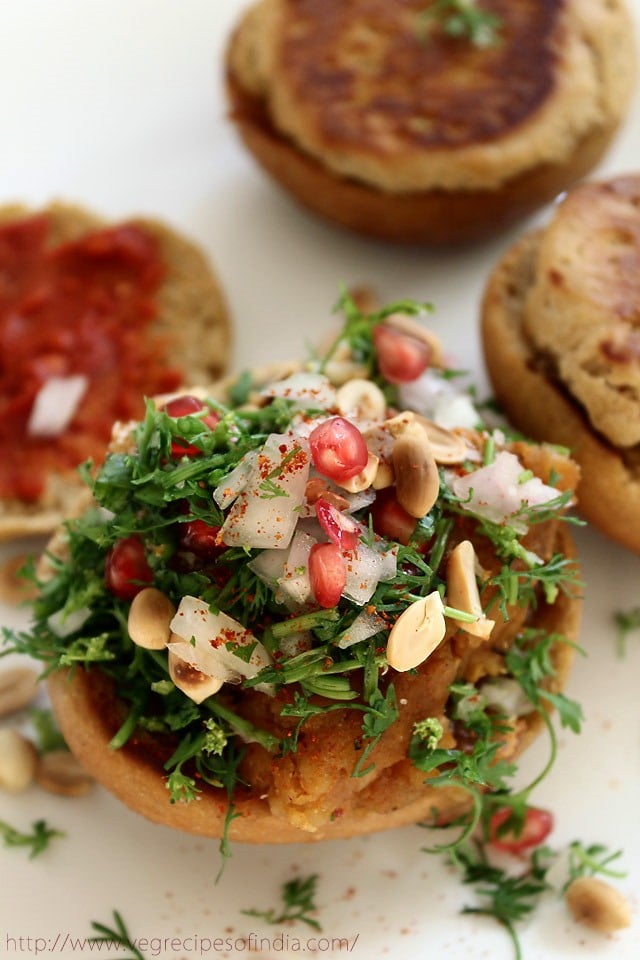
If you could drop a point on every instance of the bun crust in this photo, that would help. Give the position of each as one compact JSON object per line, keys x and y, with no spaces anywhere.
{"x":192,"y":317}
{"x":442,"y":161}
{"x":275,"y":809}
{"x":532,"y":383}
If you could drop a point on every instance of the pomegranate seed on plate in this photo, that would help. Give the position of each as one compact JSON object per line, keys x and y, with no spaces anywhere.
{"x":327,"y":573}
{"x":182,"y":407}
{"x":537,"y":826}
{"x":401,"y":358}
{"x":126,"y":570}
{"x":390,"y":519}
{"x":200,"y":538}
{"x":338,"y":449}
{"x":342,"y":530}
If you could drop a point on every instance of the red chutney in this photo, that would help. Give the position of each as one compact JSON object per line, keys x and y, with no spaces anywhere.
{"x":78,"y":308}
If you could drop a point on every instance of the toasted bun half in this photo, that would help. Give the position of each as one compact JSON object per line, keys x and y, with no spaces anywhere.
{"x":440,"y":160}
{"x":310,"y":794}
{"x":191,"y":320}
{"x":560,"y":343}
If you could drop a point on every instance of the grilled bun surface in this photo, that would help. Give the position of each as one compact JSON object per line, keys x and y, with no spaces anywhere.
{"x":189,"y":328}
{"x":371,"y":115}
{"x":309,"y":794}
{"x":561,"y":335}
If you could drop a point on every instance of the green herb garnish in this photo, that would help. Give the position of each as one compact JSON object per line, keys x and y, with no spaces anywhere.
{"x":297,"y":903}
{"x":464,"y":19}
{"x":38,"y":840}
{"x":116,"y":936}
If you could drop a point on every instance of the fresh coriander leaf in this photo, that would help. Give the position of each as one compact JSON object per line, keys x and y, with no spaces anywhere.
{"x":38,"y":840}
{"x":48,"y":735}
{"x":116,"y":936}
{"x":591,"y":860}
{"x":464,"y":19}
{"x":626,"y":621}
{"x":297,"y":903}
{"x":506,"y":897}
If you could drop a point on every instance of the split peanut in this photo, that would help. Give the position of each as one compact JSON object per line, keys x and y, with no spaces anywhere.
{"x":18,"y":761}
{"x":416,"y":633}
{"x":598,"y":905}
{"x":150,"y":614}
{"x":462,"y":590}
{"x":59,"y":772}
{"x":191,"y":681}
{"x":416,"y":472}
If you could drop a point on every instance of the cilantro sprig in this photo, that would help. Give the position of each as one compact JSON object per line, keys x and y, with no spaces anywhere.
{"x":298,"y":903}
{"x":37,"y":841}
{"x":464,"y":19}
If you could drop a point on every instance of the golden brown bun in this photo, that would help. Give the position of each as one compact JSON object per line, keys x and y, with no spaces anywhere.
{"x":192,"y":317}
{"x":89,"y":716}
{"x":533,"y":384}
{"x":310,"y":794}
{"x":374,"y":125}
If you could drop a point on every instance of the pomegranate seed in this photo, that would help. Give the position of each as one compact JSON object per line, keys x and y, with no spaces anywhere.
{"x":200,"y":538}
{"x":182,"y":407}
{"x":327,"y":573}
{"x":390,"y":519}
{"x":537,"y":826}
{"x":401,"y":358}
{"x":126,"y":570}
{"x":338,"y":449}
{"x":342,"y":530}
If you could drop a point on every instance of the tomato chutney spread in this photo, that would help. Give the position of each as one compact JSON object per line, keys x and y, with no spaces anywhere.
{"x":81,"y":310}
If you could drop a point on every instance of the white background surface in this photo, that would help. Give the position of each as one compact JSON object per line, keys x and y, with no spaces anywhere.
{"x":119,"y":105}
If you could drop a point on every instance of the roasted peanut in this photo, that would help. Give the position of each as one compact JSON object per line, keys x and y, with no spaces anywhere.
{"x":18,"y":687}
{"x":193,"y":683}
{"x":18,"y":761}
{"x":150,"y":614}
{"x":416,"y":633}
{"x":447,"y":447}
{"x":598,"y":905}
{"x":462,"y":589}
{"x":364,"y":479}
{"x":416,"y":472}
{"x":59,"y":772}
{"x":361,"y":398}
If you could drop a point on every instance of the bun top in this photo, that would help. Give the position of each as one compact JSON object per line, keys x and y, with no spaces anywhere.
{"x":382,"y":92}
{"x":583,"y":311}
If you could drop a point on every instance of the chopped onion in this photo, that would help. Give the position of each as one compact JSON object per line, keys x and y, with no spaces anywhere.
{"x":265,"y":512}
{"x":204,"y":639}
{"x":55,"y":405}
{"x":306,"y":390}
{"x":456,"y":410}
{"x":507,"y":694}
{"x":365,"y":625}
{"x":231,"y":485}
{"x":64,"y":624}
{"x":294,"y":581}
{"x":497,"y":493}
{"x":365,"y":569}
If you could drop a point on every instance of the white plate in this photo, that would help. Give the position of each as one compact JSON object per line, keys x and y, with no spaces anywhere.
{"x":119,"y":105}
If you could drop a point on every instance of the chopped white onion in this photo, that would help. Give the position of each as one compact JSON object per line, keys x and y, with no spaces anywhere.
{"x":365,"y":625}
{"x":231,"y":485}
{"x":497,"y":493}
{"x":365,"y":569}
{"x":265,"y":513}
{"x":507,"y":694}
{"x":64,"y":624}
{"x":204,"y":639}
{"x":306,"y":390}
{"x":294,"y":580}
{"x":456,"y":410}
{"x":55,"y":405}
{"x":295,"y":643}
